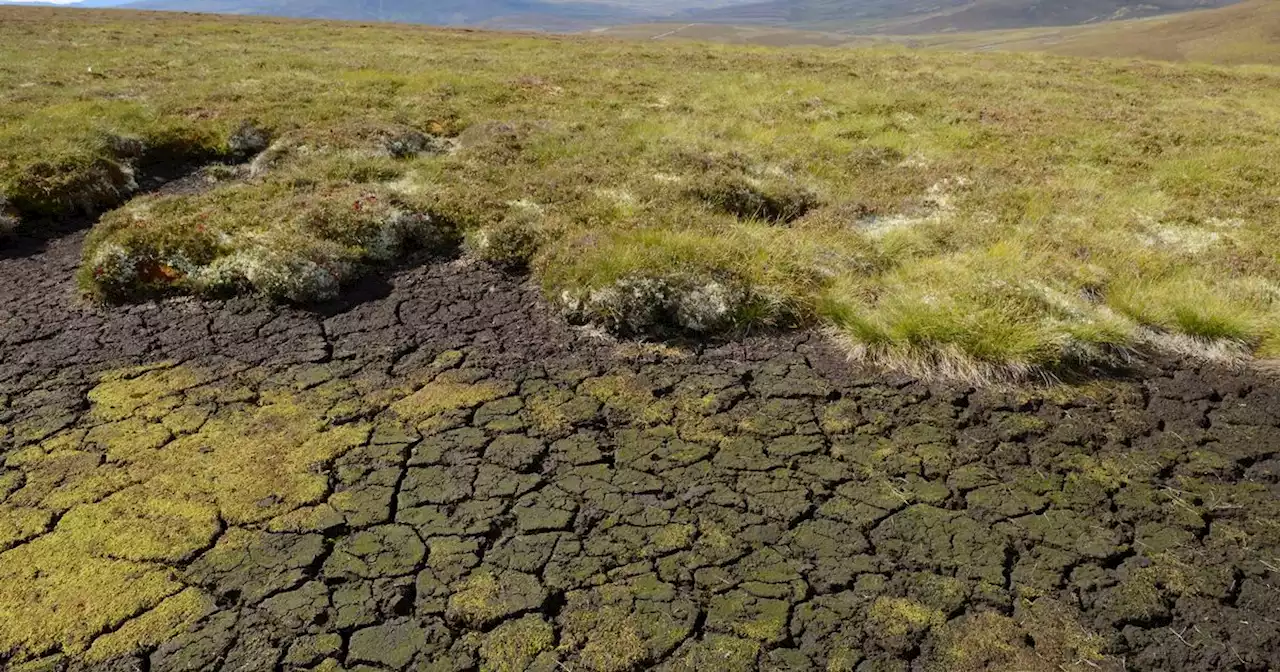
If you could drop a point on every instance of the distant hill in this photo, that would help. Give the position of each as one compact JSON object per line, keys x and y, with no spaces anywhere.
{"x":934,"y":16}
{"x":91,"y":4}
{"x":1248,"y":32}
{"x":559,"y":15}
{"x":539,"y":14}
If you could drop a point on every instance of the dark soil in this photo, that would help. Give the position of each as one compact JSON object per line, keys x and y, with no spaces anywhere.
{"x":755,"y":505}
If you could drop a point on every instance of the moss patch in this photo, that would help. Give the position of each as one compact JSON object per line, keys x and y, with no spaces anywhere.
{"x":898,"y":617}
{"x":443,"y":396}
{"x":153,"y":627}
{"x":135,"y":497}
{"x":512,"y":646}
{"x":53,"y":594}
{"x":628,"y":395}
{"x":620,"y":626}
{"x":486,"y":596}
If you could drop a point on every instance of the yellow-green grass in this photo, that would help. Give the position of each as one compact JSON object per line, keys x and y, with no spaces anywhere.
{"x":959,"y":214}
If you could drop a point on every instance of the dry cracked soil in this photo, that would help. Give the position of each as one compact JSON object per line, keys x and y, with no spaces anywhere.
{"x":436,"y":473}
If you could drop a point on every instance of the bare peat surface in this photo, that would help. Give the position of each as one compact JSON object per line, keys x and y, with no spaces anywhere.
{"x":443,"y":476}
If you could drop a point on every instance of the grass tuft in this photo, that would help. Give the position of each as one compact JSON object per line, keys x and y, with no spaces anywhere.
{"x":772,"y":199}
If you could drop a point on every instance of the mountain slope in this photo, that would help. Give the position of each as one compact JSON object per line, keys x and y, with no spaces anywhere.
{"x":930,"y":16}
{"x":1248,"y":32}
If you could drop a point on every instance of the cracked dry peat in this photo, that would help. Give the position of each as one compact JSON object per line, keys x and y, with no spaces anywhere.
{"x":457,"y":481}
{"x":977,"y":217}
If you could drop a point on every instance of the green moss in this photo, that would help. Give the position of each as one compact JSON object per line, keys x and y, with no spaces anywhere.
{"x":449,"y":359}
{"x":1056,"y":632}
{"x":544,"y":411}
{"x":745,"y":615}
{"x":53,"y":593}
{"x":898,"y":617}
{"x":173,"y":615}
{"x":440,"y":397}
{"x":628,"y":395}
{"x":843,"y":658}
{"x":154,"y":522}
{"x":840,"y":416}
{"x":475,"y":600}
{"x":145,"y":505}
{"x":718,"y":652}
{"x":486,"y":596}
{"x":671,"y":537}
{"x":621,"y":626}
{"x":123,"y":393}
{"x":18,"y":524}
{"x":613,"y":643}
{"x":129,"y":438}
{"x":1147,"y":590}
{"x":512,"y":646}
{"x":227,"y":454}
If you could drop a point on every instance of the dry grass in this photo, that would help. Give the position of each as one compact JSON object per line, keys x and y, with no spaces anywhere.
{"x":962,"y":212}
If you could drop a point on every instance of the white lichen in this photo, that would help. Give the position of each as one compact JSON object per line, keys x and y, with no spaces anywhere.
{"x":704,"y":308}
{"x":1181,"y":238}
{"x":641,"y":305}
{"x":275,"y":273}
{"x":937,"y":207}
{"x":113,"y":267}
{"x":526,"y":206}
{"x":399,"y":230}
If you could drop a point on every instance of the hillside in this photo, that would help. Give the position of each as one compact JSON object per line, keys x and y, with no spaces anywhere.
{"x":929,"y":16}
{"x":758,"y":34}
{"x":548,"y":15}
{"x":538,"y":14}
{"x":1248,"y":32}
{"x":1244,"y":33}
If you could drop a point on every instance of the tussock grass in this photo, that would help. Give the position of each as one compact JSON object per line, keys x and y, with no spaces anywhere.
{"x":960,"y":214}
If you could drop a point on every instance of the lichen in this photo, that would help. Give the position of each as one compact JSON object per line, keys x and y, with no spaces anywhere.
{"x":657,"y":303}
